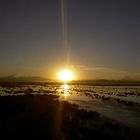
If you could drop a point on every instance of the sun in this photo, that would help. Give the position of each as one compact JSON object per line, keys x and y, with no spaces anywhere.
{"x":66,"y":75}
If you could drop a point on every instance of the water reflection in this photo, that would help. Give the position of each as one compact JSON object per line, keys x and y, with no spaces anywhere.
{"x":66,"y":89}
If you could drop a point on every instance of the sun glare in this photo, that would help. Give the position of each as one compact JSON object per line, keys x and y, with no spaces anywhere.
{"x":66,"y":75}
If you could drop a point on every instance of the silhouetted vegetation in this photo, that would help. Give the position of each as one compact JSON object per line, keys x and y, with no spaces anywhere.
{"x":45,"y":117}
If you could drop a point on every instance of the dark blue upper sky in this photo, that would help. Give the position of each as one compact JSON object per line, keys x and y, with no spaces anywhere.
{"x":103,"y":37}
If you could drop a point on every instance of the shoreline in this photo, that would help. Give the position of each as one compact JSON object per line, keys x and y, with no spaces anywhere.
{"x":22,"y":116}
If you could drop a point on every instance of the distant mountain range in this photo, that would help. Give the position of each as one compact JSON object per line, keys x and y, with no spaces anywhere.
{"x":100,"y":82}
{"x":13,"y":78}
{"x":104,"y":82}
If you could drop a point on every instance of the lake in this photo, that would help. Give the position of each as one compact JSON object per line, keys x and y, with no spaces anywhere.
{"x":120,"y":103}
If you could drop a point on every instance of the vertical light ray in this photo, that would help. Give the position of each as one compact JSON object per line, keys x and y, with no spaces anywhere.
{"x":65,"y":32}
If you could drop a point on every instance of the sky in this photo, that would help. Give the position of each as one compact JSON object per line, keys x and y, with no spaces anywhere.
{"x":97,"y":39}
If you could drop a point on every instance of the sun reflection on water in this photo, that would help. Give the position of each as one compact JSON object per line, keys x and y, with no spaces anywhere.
{"x":66,"y":89}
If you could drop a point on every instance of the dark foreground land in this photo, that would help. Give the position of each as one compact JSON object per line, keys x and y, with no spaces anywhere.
{"x":45,"y":117}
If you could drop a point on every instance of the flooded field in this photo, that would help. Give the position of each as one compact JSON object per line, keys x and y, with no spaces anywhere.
{"x":121,"y":103}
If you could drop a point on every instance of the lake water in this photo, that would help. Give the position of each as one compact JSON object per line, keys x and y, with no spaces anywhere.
{"x":121,"y":103}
